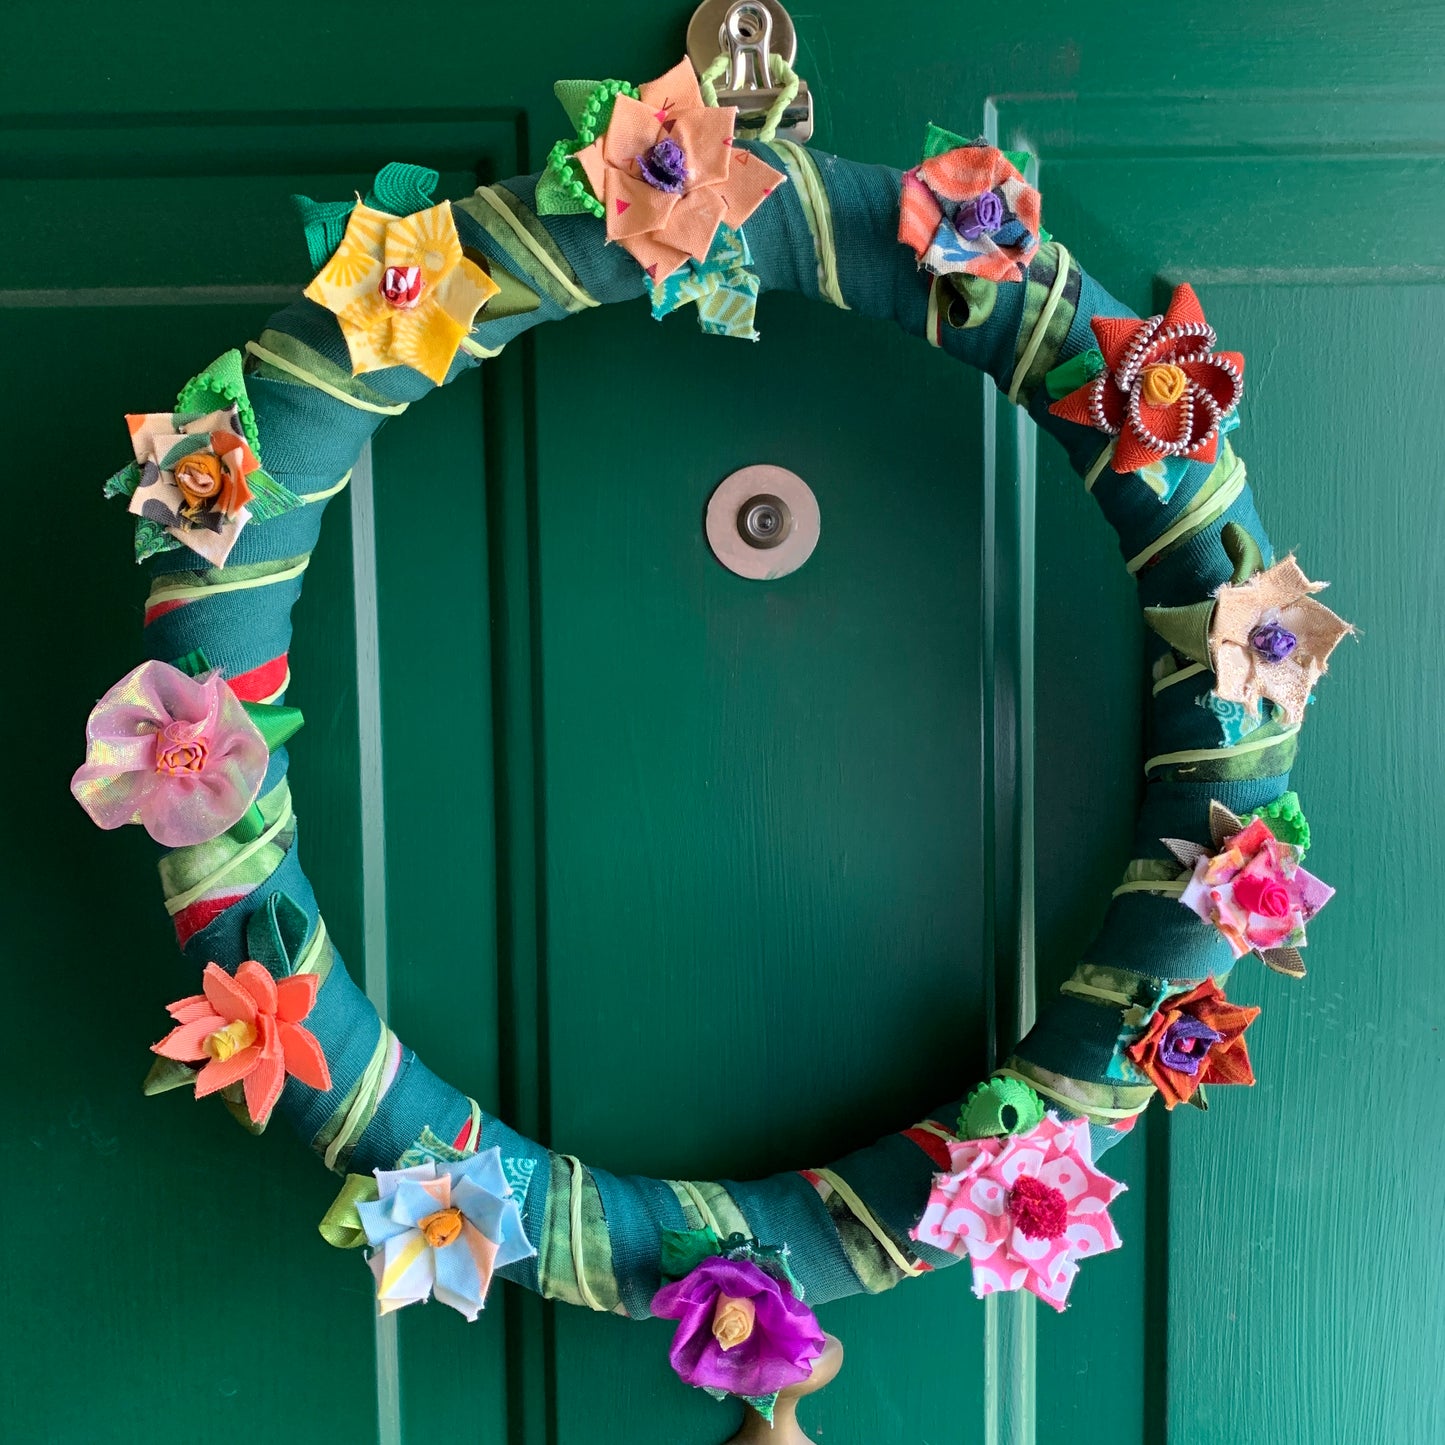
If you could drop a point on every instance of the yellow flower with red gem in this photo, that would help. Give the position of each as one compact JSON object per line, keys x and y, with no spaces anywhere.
{"x":1163,"y":390}
{"x":402,"y":291}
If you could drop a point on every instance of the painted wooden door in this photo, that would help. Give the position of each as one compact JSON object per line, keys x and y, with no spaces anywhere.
{"x":693,"y":875}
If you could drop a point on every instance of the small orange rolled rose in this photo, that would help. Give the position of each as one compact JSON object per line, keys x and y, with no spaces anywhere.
{"x":732,"y":1321}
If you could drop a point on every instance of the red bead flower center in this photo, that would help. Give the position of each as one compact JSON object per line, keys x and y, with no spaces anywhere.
{"x":401,"y":286}
{"x":1038,"y":1210}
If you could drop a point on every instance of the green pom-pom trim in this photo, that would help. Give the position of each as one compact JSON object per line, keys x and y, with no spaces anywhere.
{"x":1000,"y":1106}
{"x":595,"y":118}
{"x":1286,"y":820}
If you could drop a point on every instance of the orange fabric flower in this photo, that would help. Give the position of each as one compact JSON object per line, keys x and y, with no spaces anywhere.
{"x":1196,"y":1038}
{"x":1164,"y":389}
{"x":667,"y":175}
{"x":248,"y":1030}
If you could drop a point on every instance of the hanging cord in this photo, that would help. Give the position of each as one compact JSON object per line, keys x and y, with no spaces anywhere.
{"x":783,"y":76}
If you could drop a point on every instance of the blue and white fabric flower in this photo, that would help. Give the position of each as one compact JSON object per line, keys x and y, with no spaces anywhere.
{"x":442,"y":1229}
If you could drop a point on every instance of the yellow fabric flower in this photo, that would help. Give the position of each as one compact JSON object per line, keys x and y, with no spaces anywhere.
{"x":402,"y":290}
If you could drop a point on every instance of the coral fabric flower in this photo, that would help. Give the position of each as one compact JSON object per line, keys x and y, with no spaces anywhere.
{"x":1194,"y":1038}
{"x":667,"y":175}
{"x":1164,"y":389}
{"x":442,"y":1230}
{"x":1269,"y":638}
{"x":741,"y":1331}
{"x":193,"y":477}
{"x":1025,"y":1208}
{"x":968,"y":209}
{"x":174,"y":753}
{"x":1255,"y":892}
{"x":402,"y":291}
{"x":248,"y":1030}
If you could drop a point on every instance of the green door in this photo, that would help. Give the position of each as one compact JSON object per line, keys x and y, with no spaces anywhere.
{"x":695,"y":876}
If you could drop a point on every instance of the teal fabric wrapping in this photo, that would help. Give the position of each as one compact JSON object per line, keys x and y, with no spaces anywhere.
{"x":310,"y":439}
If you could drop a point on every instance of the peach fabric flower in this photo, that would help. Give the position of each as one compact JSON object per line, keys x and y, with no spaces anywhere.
{"x":247,"y":1030}
{"x":667,"y":175}
{"x":402,"y":291}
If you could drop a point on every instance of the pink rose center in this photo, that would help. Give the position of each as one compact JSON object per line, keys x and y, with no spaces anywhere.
{"x":1266,"y":896}
{"x":1038,"y":1210}
{"x":401,"y":286}
{"x":181,"y":748}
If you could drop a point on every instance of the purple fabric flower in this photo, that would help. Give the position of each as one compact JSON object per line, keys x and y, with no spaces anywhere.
{"x":1272,"y":642}
{"x":981,"y":216}
{"x":664,"y":166}
{"x":1186,"y":1041}
{"x":741,"y":1331}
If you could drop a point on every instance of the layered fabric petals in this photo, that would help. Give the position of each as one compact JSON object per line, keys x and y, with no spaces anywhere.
{"x":1025,"y":1208}
{"x":778,"y":1349}
{"x":176,"y":754}
{"x":1164,"y":391}
{"x":442,"y":1229}
{"x":1194,"y":1038}
{"x":235,"y":1031}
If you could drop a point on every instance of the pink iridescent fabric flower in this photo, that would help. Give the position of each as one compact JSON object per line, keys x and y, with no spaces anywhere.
{"x":248,"y":1030}
{"x":174,"y":753}
{"x":1255,"y":892}
{"x":1025,"y":1208}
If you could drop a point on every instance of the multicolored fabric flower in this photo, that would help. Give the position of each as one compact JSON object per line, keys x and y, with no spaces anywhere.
{"x":1163,"y":390}
{"x":176,"y":754}
{"x":668,"y":176}
{"x":401,"y":290}
{"x":1269,"y":639}
{"x":1194,"y":1038}
{"x":741,"y":1330}
{"x":966,"y":208}
{"x":248,"y":1031}
{"x":1024,"y":1208}
{"x":195,"y":477}
{"x":442,"y":1229}
{"x":1256,"y":893}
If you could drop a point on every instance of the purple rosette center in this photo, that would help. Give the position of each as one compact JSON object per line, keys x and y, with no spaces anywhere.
{"x":664,"y":166}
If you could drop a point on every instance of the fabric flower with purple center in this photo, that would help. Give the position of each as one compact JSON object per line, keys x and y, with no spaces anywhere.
{"x":174,"y":753}
{"x":1256,"y":893}
{"x":1194,"y":1038}
{"x":1269,"y":639}
{"x":741,"y":1329}
{"x":1025,"y":1208}
{"x":966,"y":208}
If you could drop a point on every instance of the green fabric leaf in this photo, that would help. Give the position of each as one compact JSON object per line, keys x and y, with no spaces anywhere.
{"x":1020,"y":161}
{"x":574,"y":95}
{"x":1242,"y":550}
{"x":1185,"y":629}
{"x":1077,"y":371}
{"x":276,"y":933}
{"x":167,"y":1074}
{"x":555,"y":199}
{"x":193,"y":664}
{"x":277,"y":722}
{"x":323,"y":223}
{"x":151,"y":539}
{"x":1000,"y":1106}
{"x":123,"y":483}
{"x":268,"y":497}
{"x":684,"y":1249}
{"x":937,"y":141}
{"x":341,"y":1224}
{"x":1285,"y":819}
{"x":222,"y":384}
{"x":513,"y":298}
{"x":403,"y":189}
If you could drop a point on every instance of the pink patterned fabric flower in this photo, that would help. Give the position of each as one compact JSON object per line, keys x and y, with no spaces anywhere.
{"x":1025,"y":1208}
{"x":174,"y":753}
{"x":1255,"y":892}
{"x":248,"y":1030}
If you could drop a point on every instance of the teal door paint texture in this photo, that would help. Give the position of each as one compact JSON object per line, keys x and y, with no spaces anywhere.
{"x":695,"y":876}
